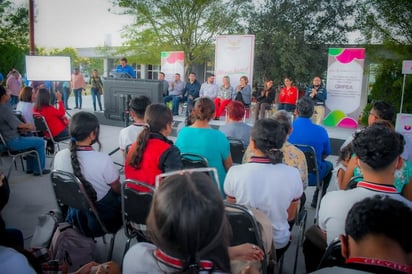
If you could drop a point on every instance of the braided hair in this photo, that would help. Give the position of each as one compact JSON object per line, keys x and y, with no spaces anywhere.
{"x":81,"y":125}
{"x":156,"y":117}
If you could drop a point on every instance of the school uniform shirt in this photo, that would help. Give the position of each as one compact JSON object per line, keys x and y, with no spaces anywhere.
{"x":268,"y":187}
{"x":97,"y":168}
{"x":335,"y":205}
{"x":128,"y":135}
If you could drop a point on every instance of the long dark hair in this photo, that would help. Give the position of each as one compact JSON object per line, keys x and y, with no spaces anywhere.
{"x":42,"y":99}
{"x":269,"y":136}
{"x":81,"y":125}
{"x":156,"y":117}
{"x":187,"y":220}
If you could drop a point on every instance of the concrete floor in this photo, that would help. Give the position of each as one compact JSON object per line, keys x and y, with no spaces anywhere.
{"x":32,"y":196}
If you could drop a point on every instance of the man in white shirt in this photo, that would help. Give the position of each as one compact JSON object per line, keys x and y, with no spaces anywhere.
{"x":209,"y":88}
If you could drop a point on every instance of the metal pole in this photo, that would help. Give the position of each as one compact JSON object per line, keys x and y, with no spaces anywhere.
{"x":403,"y":90}
{"x":31,"y":27}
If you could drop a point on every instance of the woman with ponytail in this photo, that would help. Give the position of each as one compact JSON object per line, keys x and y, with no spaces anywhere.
{"x":265,"y":183}
{"x":97,"y":173}
{"x":153,"y":153}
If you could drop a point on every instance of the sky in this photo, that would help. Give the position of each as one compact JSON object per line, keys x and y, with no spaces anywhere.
{"x":76,"y":23}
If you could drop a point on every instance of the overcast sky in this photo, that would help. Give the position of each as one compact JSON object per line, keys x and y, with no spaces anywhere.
{"x":76,"y":23}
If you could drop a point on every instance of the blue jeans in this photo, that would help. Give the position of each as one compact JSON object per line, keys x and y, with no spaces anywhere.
{"x":109,"y":209}
{"x":287,"y":107}
{"x":78,"y":97}
{"x":14,"y":100}
{"x":66,"y":95}
{"x":175,"y":100}
{"x":36,"y":143}
{"x":96,"y":94}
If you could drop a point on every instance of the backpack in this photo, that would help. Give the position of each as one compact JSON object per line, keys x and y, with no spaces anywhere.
{"x":45,"y":228}
{"x":69,"y":245}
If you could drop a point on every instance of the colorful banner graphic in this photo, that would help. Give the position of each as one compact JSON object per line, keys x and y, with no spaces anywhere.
{"x":234,"y":56}
{"x":344,"y":85}
{"x":173,"y":62}
{"x":404,"y":124}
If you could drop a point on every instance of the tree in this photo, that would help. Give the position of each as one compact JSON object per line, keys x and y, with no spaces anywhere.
{"x":292,"y":37}
{"x":187,"y":25}
{"x":14,"y":36}
{"x":388,"y":22}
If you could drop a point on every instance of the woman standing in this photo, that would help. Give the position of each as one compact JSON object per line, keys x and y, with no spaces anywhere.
{"x":288,"y":96}
{"x":96,"y":87}
{"x":78,"y":85}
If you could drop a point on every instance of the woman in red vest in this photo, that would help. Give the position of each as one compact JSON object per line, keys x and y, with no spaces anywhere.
{"x":288,"y":96}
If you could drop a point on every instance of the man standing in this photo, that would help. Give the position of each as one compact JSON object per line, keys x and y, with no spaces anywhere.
{"x":175,"y":93}
{"x":306,"y":133}
{"x":125,"y":68}
{"x":191,"y":91}
{"x":13,"y":87}
{"x":209,"y":88}
{"x":318,"y":94}
{"x":164,"y":85}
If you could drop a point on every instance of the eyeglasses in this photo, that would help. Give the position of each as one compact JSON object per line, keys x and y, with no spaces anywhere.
{"x":211,"y":171}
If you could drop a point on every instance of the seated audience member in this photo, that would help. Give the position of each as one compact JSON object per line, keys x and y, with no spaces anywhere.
{"x":209,"y":88}
{"x":224,"y":97}
{"x":234,"y":126}
{"x":377,"y":238}
{"x":243,"y":91}
{"x":292,"y":156}
{"x":10,"y":126}
{"x":306,"y":133}
{"x":25,"y":104}
{"x":176,"y":88}
{"x":97,"y":173}
{"x":55,"y":117}
{"x":186,"y":203}
{"x":191,"y":91}
{"x":137,"y":108}
{"x":345,"y":155}
{"x":265,"y":100}
{"x":201,"y":139}
{"x":152,"y":153}
{"x":265,"y":183}
{"x":378,"y":155}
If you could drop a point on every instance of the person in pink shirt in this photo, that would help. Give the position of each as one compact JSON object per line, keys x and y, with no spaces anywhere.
{"x":13,"y":86}
{"x":78,"y":85}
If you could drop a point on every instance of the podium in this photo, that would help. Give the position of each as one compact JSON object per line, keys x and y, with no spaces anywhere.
{"x":119,"y":92}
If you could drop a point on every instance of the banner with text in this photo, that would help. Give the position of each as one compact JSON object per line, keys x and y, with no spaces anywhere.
{"x":344,"y":86}
{"x":173,"y":62}
{"x":234,"y":57}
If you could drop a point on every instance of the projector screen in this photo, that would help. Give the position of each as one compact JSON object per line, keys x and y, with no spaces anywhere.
{"x":48,"y":68}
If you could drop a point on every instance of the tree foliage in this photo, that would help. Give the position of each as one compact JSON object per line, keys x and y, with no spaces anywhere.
{"x":14,"y":36}
{"x":187,"y":25}
{"x":292,"y":37}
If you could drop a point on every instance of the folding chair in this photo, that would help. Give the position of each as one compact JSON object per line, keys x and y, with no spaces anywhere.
{"x":333,"y":255}
{"x":42,"y":126}
{"x":312,"y":163}
{"x":135,"y":209}
{"x":190,"y":160}
{"x":14,"y":154}
{"x":237,"y":149}
{"x":70,"y":192}
{"x":245,"y":229}
{"x":300,"y":223}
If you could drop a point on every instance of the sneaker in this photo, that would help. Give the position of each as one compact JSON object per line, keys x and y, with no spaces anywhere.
{"x":76,"y":107}
{"x":68,"y":109}
{"x":45,"y":171}
{"x":29,"y":171}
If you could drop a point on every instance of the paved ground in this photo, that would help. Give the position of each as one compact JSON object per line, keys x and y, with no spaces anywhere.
{"x":32,"y":196}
